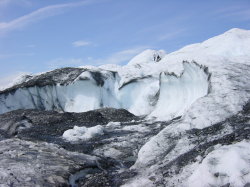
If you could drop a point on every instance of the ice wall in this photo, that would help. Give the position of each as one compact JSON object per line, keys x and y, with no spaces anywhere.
{"x":163,"y":97}
{"x":177,"y":93}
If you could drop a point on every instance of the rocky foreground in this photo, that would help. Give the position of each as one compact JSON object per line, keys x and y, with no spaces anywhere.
{"x":34,"y":153}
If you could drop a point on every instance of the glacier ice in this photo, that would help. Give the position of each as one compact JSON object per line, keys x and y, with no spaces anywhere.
{"x":227,"y":164}
{"x":83,"y":133}
{"x":228,"y":90}
{"x":178,"y":93}
{"x":150,"y":95}
{"x":147,"y":56}
{"x":207,"y":84}
{"x":227,"y":57}
{"x":141,"y":86}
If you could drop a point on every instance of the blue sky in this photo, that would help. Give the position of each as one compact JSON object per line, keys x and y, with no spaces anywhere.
{"x":37,"y":36}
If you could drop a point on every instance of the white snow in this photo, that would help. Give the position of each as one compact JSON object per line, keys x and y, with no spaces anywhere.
{"x":178,"y":93}
{"x":228,"y":93}
{"x":227,"y":164}
{"x":138,"y":95}
{"x":83,"y":133}
{"x":113,"y":124}
{"x":138,"y":128}
{"x":146,"y":87}
{"x":162,"y":87}
{"x":227,"y":57}
{"x":140,"y":183}
{"x":13,"y":79}
{"x":147,"y":56}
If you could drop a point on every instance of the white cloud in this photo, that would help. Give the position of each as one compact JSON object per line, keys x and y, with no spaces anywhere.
{"x":240,"y":13}
{"x":119,"y":57}
{"x":40,"y":14}
{"x":62,"y":62}
{"x":172,"y":34}
{"x":123,"y":56}
{"x":80,"y":43}
{"x":4,"y":3}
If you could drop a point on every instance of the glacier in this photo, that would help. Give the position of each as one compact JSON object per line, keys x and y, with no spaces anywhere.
{"x":188,"y":123}
{"x":144,"y":96}
{"x":83,"y":133}
{"x":227,"y":57}
{"x":225,"y":165}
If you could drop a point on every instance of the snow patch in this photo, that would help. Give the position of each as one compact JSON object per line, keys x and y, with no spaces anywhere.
{"x":147,"y":56}
{"x":138,"y":128}
{"x":113,"y":124}
{"x":228,"y":164}
{"x":139,"y":183}
{"x":83,"y":133}
{"x":14,"y":79}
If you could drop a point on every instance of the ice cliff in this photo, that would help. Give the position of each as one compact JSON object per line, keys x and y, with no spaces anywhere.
{"x":162,"y":95}
{"x":153,"y":83}
{"x":193,"y":107}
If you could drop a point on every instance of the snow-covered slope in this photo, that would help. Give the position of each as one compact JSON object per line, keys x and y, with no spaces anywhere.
{"x":14,"y":79}
{"x":147,"y":56}
{"x":154,"y":84}
{"x":227,"y":57}
{"x":201,"y":90}
{"x":224,"y":165}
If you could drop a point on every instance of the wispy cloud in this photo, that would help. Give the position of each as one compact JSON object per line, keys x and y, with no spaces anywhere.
{"x":171,"y":22}
{"x":40,"y":14}
{"x":63,"y":62}
{"x":240,"y":13}
{"x":4,"y":3}
{"x":80,"y":43}
{"x":171,"y":34}
{"x":119,"y":57}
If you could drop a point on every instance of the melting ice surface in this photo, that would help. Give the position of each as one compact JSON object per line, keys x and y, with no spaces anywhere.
{"x":161,"y":86}
{"x":178,"y":93}
{"x":225,"y":165}
{"x":159,"y":94}
{"x":83,"y":133}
